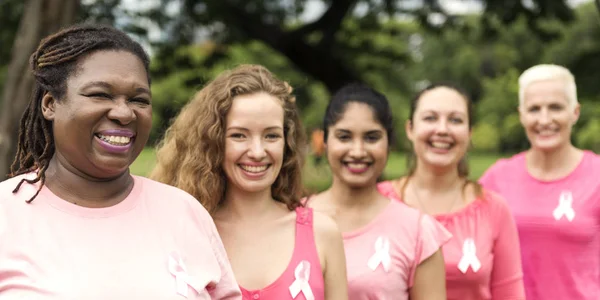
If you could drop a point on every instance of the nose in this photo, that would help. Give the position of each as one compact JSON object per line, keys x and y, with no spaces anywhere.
{"x":121,"y":112}
{"x":442,"y":126}
{"x":545,"y":117}
{"x":257,"y":150}
{"x":358,"y":149}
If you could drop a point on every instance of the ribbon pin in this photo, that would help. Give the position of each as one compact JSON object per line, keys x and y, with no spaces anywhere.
{"x":382,"y":254}
{"x":182,"y":279}
{"x":564,"y":207}
{"x":469,"y":257}
{"x":302,"y":274}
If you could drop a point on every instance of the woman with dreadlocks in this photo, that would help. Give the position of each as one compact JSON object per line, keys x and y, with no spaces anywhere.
{"x":74,"y":223}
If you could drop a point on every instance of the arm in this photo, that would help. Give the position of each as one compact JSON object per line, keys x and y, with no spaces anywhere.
{"x":507,"y":274}
{"x":227,"y":287}
{"x":333,"y":259}
{"x":430,"y":279}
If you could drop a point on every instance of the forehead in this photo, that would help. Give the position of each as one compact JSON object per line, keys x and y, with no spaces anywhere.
{"x":358,"y":117}
{"x":255,"y":110}
{"x":114,"y":67}
{"x":442,"y":100}
{"x":545,"y":91}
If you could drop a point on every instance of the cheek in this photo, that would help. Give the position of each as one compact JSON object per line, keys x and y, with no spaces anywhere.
{"x":380,"y":153}
{"x":335,"y":151}
{"x":233,"y":151}
{"x":276,"y":150}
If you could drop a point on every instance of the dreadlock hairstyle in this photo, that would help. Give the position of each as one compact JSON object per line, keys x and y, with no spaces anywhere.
{"x":55,"y":59}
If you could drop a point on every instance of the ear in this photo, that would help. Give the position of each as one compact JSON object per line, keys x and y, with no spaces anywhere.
{"x":576,"y":113}
{"x":521,"y":114}
{"x":408,"y":129}
{"x":48,"y":106}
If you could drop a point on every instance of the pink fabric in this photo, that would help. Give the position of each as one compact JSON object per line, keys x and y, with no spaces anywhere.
{"x":488,"y":223}
{"x":561,"y":258}
{"x":305,"y":257}
{"x":53,"y":249}
{"x":412,"y":238}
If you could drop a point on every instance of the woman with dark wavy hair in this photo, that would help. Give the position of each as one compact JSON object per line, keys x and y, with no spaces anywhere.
{"x":237,"y":147}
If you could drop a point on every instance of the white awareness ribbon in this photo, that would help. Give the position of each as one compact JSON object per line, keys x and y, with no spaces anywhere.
{"x":469,"y":257}
{"x":564,"y":207}
{"x":381,"y":255}
{"x":302,"y":274}
{"x":182,"y":279}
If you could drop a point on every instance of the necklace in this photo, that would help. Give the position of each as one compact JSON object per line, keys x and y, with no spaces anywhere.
{"x":448,"y":210}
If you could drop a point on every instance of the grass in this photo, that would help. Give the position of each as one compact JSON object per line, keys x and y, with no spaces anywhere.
{"x":318,"y":177}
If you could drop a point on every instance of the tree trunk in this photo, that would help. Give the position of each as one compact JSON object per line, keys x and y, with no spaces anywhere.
{"x":40,"y":18}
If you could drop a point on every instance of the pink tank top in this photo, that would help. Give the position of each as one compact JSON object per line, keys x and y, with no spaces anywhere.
{"x":303,"y":278}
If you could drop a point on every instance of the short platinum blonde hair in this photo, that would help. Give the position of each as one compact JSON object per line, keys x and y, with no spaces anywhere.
{"x":549,"y":72}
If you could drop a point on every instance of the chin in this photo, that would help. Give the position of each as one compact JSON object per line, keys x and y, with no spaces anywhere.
{"x":254,"y":187}
{"x":548,"y":145}
{"x":358,"y":183}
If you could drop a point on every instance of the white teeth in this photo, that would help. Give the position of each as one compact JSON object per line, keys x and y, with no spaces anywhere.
{"x":115,"y":140}
{"x":254,"y":169}
{"x":440,"y":145}
{"x":547,"y":132}
{"x":357,"y":165}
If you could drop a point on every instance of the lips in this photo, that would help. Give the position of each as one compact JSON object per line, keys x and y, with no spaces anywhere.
{"x":115,"y":140}
{"x":441,"y":145}
{"x":357,"y":166}
{"x":546,"y":132}
{"x":255,"y":169}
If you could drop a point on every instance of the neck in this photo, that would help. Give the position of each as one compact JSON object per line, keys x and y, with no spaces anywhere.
{"x":553,"y":164}
{"x":435,"y":181}
{"x":76,"y":187}
{"x":243,"y":205}
{"x":345,"y":196}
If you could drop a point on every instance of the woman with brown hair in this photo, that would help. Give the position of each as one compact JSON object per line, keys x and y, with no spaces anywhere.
{"x":237,"y":147}
{"x":482,"y":258}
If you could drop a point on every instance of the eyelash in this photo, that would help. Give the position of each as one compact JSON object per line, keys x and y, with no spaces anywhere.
{"x":107,"y":96}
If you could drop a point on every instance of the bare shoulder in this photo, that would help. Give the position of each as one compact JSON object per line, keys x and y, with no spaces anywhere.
{"x":325,"y":227}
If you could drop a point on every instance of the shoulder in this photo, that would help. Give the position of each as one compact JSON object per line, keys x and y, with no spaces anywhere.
{"x":172,"y":200}
{"x":496,"y":204}
{"x":388,"y":188}
{"x":590,"y":157}
{"x":325,"y":227}
{"x":502,"y":164}
{"x":25,"y":192}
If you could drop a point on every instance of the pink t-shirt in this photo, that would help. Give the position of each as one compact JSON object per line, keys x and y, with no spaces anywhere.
{"x":382,"y":256}
{"x":158,"y":243}
{"x":559,"y":226}
{"x":303,"y":278}
{"x":482,"y":258}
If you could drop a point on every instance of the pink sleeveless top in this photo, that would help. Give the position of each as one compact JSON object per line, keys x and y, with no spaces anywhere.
{"x":303,"y":278}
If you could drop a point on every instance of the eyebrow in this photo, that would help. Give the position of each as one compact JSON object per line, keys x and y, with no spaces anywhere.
{"x":451,"y":112}
{"x":107,"y":85}
{"x":366,"y":132}
{"x":246,"y":129}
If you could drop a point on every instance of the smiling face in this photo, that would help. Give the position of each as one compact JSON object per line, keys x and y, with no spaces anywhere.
{"x":357,"y":146}
{"x":547,"y":116}
{"x":103,"y":122}
{"x":254,"y":142}
{"x":439,"y":130}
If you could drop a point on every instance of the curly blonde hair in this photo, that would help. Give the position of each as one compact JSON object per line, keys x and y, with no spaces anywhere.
{"x":191,"y":154}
